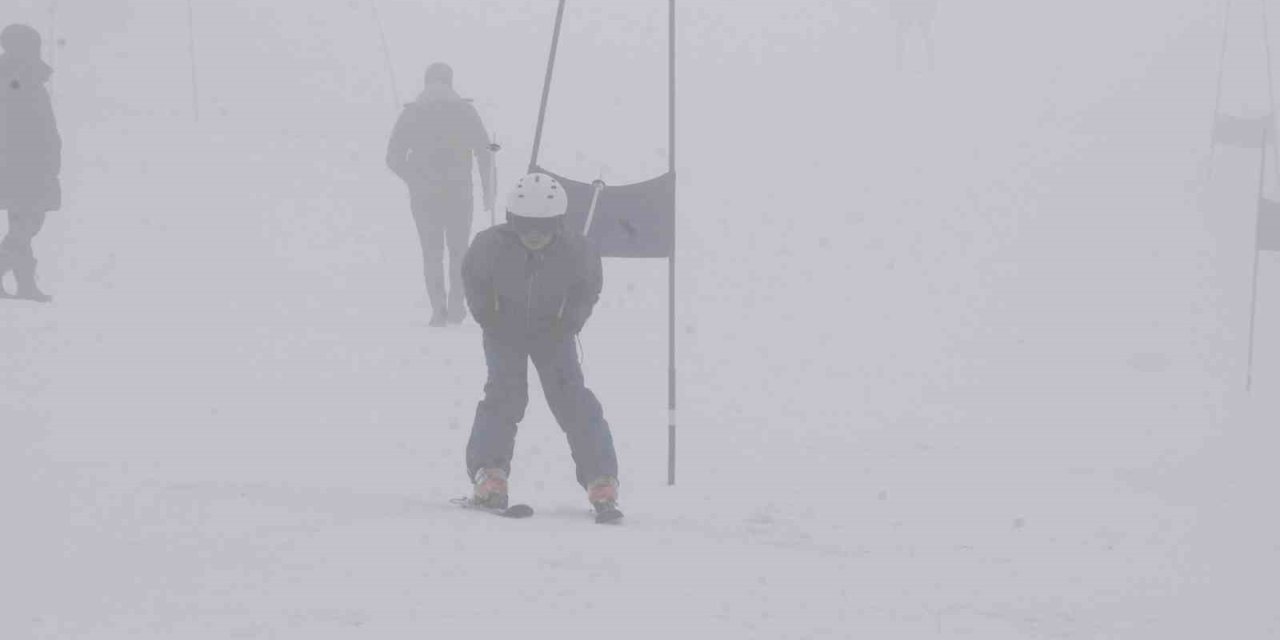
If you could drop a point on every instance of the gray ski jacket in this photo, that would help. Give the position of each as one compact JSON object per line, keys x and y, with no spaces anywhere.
{"x":515,"y":293}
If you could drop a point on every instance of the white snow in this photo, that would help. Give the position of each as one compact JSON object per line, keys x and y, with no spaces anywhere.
{"x":961,"y":352}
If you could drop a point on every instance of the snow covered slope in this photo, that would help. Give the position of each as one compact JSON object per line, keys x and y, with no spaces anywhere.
{"x":961,"y":352}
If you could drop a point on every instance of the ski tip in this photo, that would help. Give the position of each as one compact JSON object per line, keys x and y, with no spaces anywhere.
{"x":518,"y":511}
{"x":610,"y":516}
{"x":515,"y":511}
{"x":17,"y":298}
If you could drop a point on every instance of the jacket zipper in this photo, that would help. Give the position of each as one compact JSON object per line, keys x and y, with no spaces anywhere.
{"x":533,"y":273}
{"x":530,"y":305}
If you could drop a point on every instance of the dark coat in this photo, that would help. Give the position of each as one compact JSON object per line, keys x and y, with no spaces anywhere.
{"x":30,"y":147}
{"x":436,"y":139}
{"x":515,"y":293}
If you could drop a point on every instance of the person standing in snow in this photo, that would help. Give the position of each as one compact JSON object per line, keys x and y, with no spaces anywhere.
{"x":532,"y":284}
{"x":431,"y":149}
{"x":30,"y":155}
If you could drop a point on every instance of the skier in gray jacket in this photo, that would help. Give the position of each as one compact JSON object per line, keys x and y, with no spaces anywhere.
{"x":531,"y":285}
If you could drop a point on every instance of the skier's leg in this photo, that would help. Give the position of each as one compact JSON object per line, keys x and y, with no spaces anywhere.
{"x":458,"y":237}
{"x":506,"y":395}
{"x":426,"y":215}
{"x":577,"y":410}
{"x":23,"y":228}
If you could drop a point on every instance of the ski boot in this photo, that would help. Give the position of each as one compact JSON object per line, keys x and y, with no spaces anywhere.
{"x":24,"y":272}
{"x":490,"y":488}
{"x":603,"y":495}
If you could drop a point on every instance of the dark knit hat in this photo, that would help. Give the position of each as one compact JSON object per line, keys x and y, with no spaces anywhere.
{"x":439,"y":72}
{"x":20,"y":40}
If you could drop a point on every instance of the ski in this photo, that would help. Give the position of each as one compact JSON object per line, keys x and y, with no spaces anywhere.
{"x":515,"y":511}
{"x":5,"y":295}
{"x":608,"y":515}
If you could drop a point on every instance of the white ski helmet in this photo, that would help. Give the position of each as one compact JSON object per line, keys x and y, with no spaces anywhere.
{"x":537,"y":196}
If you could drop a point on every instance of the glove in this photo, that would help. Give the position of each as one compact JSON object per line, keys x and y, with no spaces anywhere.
{"x":486,"y":315}
{"x":570,"y":323}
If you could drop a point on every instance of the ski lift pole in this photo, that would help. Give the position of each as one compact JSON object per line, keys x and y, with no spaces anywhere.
{"x":671,"y":260}
{"x":1271,"y":88}
{"x":1253,"y":304}
{"x":1222,"y":64}
{"x":546,"y":87}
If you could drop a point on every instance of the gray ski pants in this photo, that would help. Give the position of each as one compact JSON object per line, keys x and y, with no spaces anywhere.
{"x":443,"y":217}
{"x":506,"y":395}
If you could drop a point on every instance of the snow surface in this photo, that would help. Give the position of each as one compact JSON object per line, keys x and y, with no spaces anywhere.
{"x":961,"y":352}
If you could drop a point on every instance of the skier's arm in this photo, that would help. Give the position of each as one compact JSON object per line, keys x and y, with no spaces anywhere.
{"x":582,"y":300}
{"x":398,"y":146}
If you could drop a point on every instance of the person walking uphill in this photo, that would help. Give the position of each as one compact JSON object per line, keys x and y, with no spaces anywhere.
{"x":30,"y":155}
{"x":531,"y":285}
{"x":431,"y":149}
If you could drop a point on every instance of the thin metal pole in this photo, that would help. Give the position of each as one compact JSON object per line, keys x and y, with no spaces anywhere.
{"x":546,"y":87}
{"x":191,"y":39}
{"x":1217,"y":100}
{"x":1266,"y":41}
{"x":1271,"y":87}
{"x":671,"y":262}
{"x":1253,"y":317}
{"x":1253,"y":305}
{"x":1267,"y":136}
{"x":386,"y":54}
{"x":591,"y":211}
{"x":1222,"y":68}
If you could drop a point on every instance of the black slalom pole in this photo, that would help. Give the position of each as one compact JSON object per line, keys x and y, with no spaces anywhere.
{"x":546,"y":88}
{"x":671,"y":261}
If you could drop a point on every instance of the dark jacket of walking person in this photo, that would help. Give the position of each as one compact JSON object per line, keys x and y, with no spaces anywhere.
{"x":432,"y":149}
{"x":532,"y":285}
{"x":30,"y":154}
